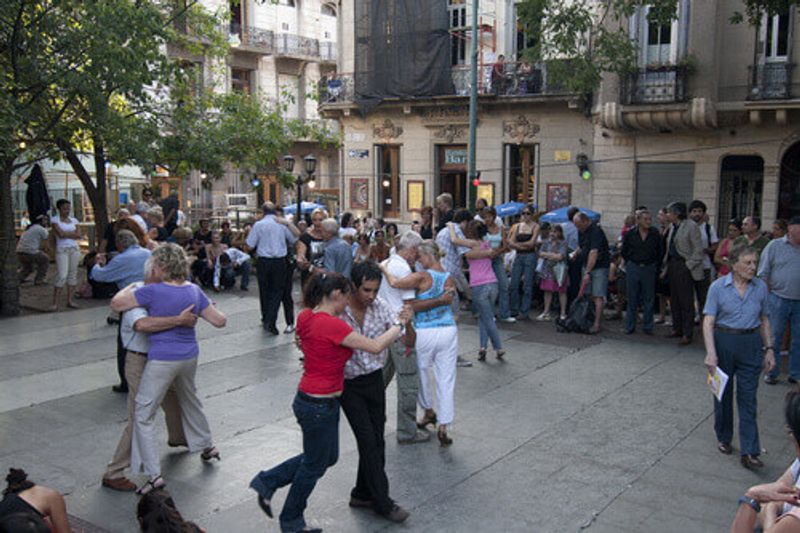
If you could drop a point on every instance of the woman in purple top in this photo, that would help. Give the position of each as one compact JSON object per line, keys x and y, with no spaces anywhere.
{"x":172,"y":359}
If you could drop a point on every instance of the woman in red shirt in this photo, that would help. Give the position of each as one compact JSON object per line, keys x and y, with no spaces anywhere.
{"x":327,"y":343}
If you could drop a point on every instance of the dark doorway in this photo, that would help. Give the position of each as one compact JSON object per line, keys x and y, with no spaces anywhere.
{"x":452,"y":169}
{"x":789,"y":189}
{"x":740,"y":190}
{"x":521,"y":172}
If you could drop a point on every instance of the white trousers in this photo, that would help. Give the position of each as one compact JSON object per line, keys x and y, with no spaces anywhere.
{"x":67,"y":260}
{"x":438,"y":348}
{"x":156,"y":379}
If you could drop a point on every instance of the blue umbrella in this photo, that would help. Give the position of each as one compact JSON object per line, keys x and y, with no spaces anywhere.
{"x":307,"y":207}
{"x":560,"y":215}
{"x":509,"y":209}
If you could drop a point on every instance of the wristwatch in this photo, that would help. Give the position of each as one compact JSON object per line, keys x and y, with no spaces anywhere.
{"x":751,"y":502}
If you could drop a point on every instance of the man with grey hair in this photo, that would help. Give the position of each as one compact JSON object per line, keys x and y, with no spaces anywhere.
{"x":270,"y":238}
{"x":444,"y":210}
{"x":402,"y":360}
{"x":338,"y":254}
{"x":134,"y":214}
{"x":123,"y":269}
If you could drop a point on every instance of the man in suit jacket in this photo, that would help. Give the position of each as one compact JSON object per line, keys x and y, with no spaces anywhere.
{"x":684,"y":262}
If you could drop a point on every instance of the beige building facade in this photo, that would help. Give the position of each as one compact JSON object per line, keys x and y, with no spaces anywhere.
{"x":711,"y":114}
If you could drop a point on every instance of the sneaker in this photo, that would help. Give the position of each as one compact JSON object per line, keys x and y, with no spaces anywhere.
{"x":770,"y":380}
{"x":420,"y":436}
{"x":543,"y":317}
{"x":460,"y":361}
{"x":508,"y":320}
{"x":397,"y":514}
{"x":289,"y":329}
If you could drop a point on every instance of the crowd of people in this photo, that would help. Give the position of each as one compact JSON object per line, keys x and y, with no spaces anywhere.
{"x":379,"y":303}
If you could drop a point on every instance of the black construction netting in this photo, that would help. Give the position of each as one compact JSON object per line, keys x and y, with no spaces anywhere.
{"x":402,"y":50}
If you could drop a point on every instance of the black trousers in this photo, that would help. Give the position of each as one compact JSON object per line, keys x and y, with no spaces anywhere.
{"x":701,"y":290}
{"x":575,"y":273}
{"x":271,"y":274}
{"x":121,"y":355}
{"x":364,"y":404}
{"x":286,"y":297}
{"x":681,"y":287}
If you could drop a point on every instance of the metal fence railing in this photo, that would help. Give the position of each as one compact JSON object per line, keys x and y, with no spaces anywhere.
{"x":770,"y":81}
{"x":660,"y":85}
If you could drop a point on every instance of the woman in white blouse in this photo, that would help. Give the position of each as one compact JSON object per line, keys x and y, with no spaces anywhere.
{"x":68,"y":254}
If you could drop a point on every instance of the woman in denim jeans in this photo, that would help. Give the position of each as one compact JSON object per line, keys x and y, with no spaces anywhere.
{"x":497,"y":237}
{"x":327,"y":343}
{"x":522,"y":239}
{"x":483,"y":282}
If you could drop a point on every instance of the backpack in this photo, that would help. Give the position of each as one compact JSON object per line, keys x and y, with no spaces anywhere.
{"x":580,"y":316}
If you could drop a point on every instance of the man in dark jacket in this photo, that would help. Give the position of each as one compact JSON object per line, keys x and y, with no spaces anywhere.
{"x":642,"y":251}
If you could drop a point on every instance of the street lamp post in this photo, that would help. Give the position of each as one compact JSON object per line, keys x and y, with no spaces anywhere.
{"x":309,"y":166}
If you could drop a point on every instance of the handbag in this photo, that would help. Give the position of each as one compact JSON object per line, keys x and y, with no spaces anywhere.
{"x":560,"y":272}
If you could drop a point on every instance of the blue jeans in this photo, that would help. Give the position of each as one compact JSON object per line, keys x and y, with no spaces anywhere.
{"x":320,"y":425}
{"x":228,"y":275}
{"x":522,"y":272}
{"x":502,"y":286}
{"x":739,"y":357}
{"x":641,"y":284}
{"x":782,"y":310}
{"x":484,"y":297}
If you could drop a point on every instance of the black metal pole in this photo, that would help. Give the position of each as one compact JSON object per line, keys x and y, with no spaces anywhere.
{"x":299,"y":198}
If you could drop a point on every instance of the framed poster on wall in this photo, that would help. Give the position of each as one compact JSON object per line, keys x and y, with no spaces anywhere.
{"x":415,"y":194}
{"x":486,"y":191}
{"x":558,"y":195}
{"x":359,"y":193}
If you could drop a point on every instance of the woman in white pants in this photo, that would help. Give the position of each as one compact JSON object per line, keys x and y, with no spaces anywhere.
{"x":68,"y":255}
{"x":172,"y":359}
{"x":437,"y":337}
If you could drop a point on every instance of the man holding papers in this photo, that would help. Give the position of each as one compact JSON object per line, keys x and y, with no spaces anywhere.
{"x":737,"y":336}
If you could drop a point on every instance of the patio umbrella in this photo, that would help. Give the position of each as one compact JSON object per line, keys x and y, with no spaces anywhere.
{"x":307,"y":207}
{"x":560,"y":215}
{"x":509,"y":209}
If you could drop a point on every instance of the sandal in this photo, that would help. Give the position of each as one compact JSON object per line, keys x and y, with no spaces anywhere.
{"x":444,"y":440}
{"x":427,"y":419}
{"x":210,"y":453}
{"x":482,"y":354}
{"x":151,"y":485}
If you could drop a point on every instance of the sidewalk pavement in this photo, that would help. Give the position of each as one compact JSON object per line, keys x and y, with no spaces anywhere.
{"x":570,"y":433}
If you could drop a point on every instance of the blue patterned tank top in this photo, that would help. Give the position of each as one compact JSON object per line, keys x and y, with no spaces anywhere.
{"x":437,"y":317}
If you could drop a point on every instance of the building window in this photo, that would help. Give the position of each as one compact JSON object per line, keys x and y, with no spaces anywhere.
{"x":521,"y":173}
{"x":740,"y":189}
{"x":235,"y":25}
{"x":289,"y":3}
{"x":523,"y":39}
{"x":328,"y":10}
{"x":660,"y":44}
{"x":775,"y":36}
{"x":241,"y":80}
{"x":388,"y":175}
{"x":459,"y":30}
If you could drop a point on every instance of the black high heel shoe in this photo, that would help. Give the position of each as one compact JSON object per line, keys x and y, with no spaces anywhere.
{"x":265,"y":506}
{"x":444,"y":440}
{"x":427,"y":419}
{"x":210,"y":453}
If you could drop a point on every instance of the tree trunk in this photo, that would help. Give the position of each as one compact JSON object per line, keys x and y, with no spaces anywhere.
{"x":95,"y":191}
{"x":9,"y":280}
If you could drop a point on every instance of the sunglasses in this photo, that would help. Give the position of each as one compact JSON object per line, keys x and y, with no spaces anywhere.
{"x":527,"y":213}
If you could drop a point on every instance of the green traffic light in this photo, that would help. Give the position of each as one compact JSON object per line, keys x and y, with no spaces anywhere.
{"x":586,"y":175}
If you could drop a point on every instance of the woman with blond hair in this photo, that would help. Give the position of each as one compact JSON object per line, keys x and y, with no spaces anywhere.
{"x":437,"y":337}
{"x":310,"y":247}
{"x":172,"y":359}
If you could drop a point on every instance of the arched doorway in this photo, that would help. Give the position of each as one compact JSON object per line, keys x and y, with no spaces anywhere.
{"x":789,"y":186}
{"x":741,"y":186}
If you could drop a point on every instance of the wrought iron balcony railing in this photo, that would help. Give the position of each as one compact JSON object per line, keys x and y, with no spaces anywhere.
{"x":506,"y":80}
{"x":289,"y":44}
{"x":252,"y":38}
{"x":655,"y":85}
{"x":770,"y":81}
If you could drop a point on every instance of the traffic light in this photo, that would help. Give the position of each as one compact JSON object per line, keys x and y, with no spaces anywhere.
{"x":583,"y":166}
{"x":477,"y":181}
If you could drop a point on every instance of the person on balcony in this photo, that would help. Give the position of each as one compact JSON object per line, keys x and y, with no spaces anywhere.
{"x":498,"y":75}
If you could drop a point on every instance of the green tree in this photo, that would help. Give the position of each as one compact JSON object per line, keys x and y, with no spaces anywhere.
{"x":583,"y":39}
{"x":92,"y":77}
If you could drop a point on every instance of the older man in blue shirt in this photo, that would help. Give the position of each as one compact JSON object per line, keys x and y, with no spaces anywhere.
{"x":270,"y":238}
{"x":124,"y":268}
{"x":736,"y":332}
{"x":338,"y":254}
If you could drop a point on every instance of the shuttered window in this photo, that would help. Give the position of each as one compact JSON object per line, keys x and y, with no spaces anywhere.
{"x":658,"y":184}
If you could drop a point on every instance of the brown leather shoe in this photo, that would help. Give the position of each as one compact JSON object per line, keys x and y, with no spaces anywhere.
{"x":121,"y":484}
{"x":685,"y":341}
{"x":751,"y":462}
